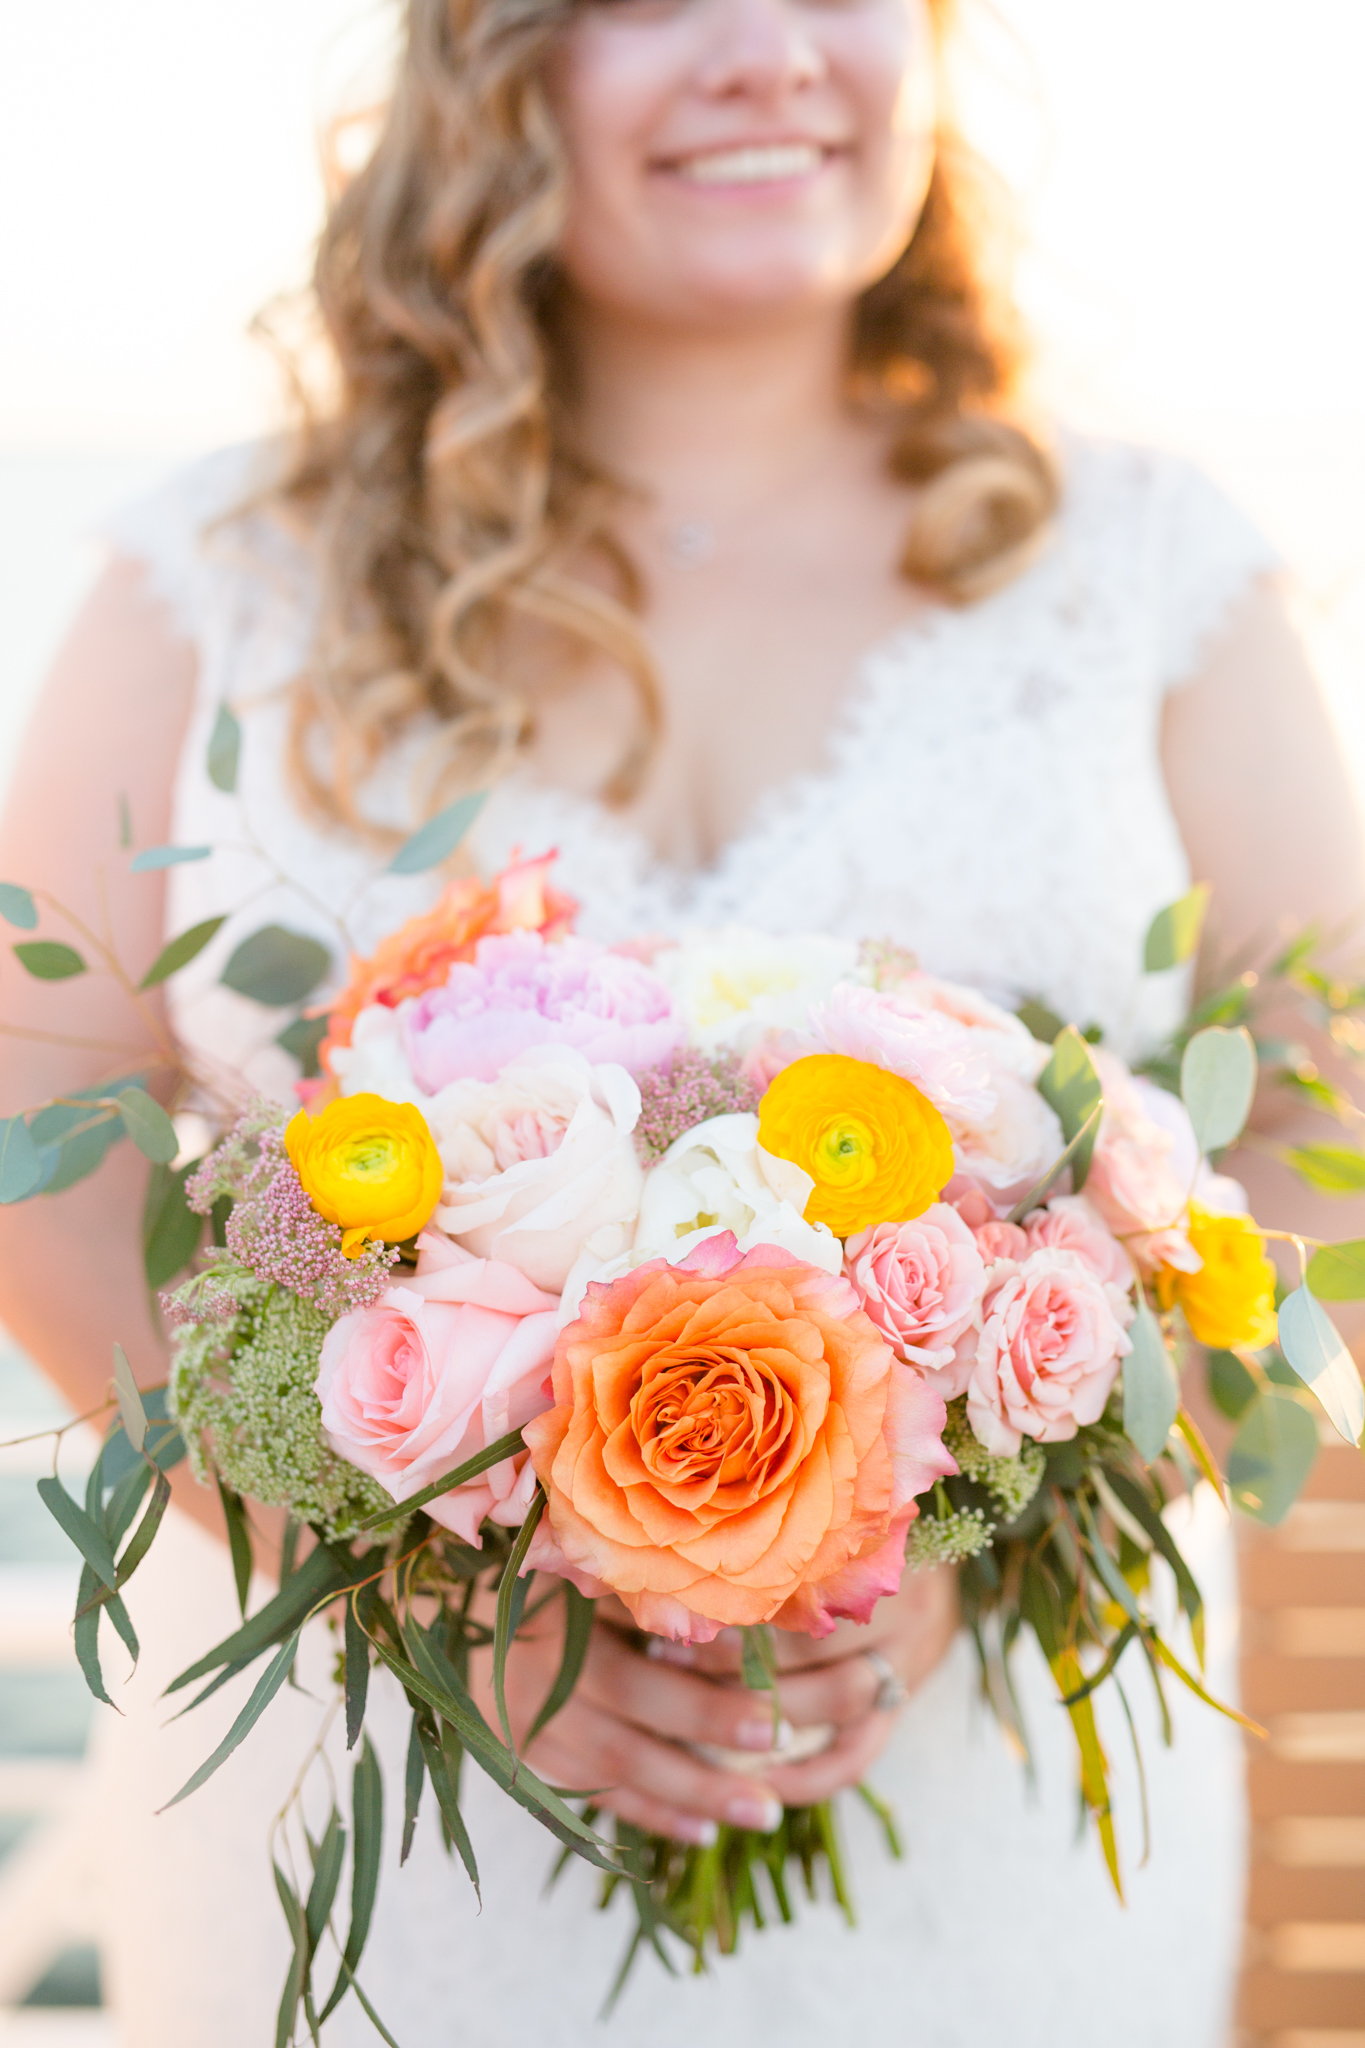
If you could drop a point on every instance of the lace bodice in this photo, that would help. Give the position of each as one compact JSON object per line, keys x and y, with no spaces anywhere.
{"x":992,"y":796}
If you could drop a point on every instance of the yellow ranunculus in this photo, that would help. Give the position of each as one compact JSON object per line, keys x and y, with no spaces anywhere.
{"x":1231,"y":1299}
{"x":369,"y":1165}
{"x":877,"y":1150}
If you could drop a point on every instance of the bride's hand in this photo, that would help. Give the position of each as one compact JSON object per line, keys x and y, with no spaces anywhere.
{"x":631,"y":1714}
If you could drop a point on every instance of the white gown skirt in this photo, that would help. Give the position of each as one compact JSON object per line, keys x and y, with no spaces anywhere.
{"x":998,"y":1927}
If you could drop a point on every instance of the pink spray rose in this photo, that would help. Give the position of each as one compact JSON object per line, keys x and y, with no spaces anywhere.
{"x":997,"y":1240}
{"x":519,"y":992}
{"x":921,"y":1283}
{"x":440,"y":1367}
{"x":1047,"y":1355}
{"x":1070,"y":1223}
{"x":1135,"y":1181}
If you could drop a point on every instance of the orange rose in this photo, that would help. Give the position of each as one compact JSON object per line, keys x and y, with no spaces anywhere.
{"x":421,"y":953}
{"x":733,"y":1442}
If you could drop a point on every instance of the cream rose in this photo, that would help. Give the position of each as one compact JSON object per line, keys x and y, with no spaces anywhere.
{"x":733,"y":987}
{"x":540,"y":1162}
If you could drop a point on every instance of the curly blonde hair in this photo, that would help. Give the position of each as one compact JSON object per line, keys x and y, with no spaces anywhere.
{"x":442,"y":484}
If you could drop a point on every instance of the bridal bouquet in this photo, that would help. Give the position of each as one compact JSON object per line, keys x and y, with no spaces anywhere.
{"x":729,"y":1278}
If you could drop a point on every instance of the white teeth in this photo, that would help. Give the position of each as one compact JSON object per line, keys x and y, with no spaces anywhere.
{"x":758,"y":166}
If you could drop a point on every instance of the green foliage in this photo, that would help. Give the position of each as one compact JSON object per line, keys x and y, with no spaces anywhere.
{"x":179,"y":951}
{"x":49,"y":959}
{"x":302,"y":1040}
{"x":17,"y":907}
{"x":1336,"y":1169}
{"x":1231,"y":1385}
{"x":225,"y":746}
{"x":276,"y":967}
{"x":579,"y":1611}
{"x":1071,"y":1085}
{"x":263,"y":1692}
{"x":148,"y":1125}
{"x":512,"y":1591}
{"x":438,"y":838}
{"x":21,"y":1166}
{"x":1042,"y":1022}
{"x":246,"y":1386}
{"x":154,"y":858}
{"x":1272,"y":1454}
{"x":171,"y":1231}
{"x":1336,"y":1272}
{"x":1174,"y":933}
{"x":1151,"y":1385}
{"x":482,"y":1461}
{"x":1217,"y":1083}
{"x":1313,"y":1347}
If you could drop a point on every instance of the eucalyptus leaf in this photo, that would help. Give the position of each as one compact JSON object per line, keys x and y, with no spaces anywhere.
{"x":1272,"y":1455}
{"x":21,"y":1167}
{"x":357,"y":1675}
{"x":321,"y":1575}
{"x":414,"y":1777}
{"x":482,"y":1461}
{"x":1231,"y":1385}
{"x":1151,"y":1386}
{"x":154,"y":858}
{"x":1336,"y":1169}
{"x":17,"y":907}
{"x":438,"y":838}
{"x":326,"y":1877}
{"x":239,"y":1541}
{"x":225,"y":747}
{"x":145,"y":1534}
{"x":367,"y":1831}
{"x":1042,"y":1022}
{"x":49,"y":959}
{"x":170,"y":1228}
{"x":1070,"y":1083}
{"x":276,"y":967}
{"x":125,"y":822}
{"x":86,"y":1633}
{"x":448,"y":1799}
{"x":80,"y":1155}
{"x":178,"y":952}
{"x":1313,"y":1346}
{"x":148,"y":1125}
{"x":302,"y":1040}
{"x":263,"y":1693}
{"x":1217,"y":1083}
{"x":1336,"y":1272}
{"x":87,"y":1535}
{"x":507,"y":1617}
{"x":131,"y":1411}
{"x":1174,"y":933}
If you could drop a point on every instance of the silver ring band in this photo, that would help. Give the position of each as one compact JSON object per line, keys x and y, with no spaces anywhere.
{"x":891,"y":1692}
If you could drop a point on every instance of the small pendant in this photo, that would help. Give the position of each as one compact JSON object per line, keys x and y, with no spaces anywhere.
{"x":692,"y":544}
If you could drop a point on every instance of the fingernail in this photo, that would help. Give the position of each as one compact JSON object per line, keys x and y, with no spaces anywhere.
{"x":762,"y":1735}
{"x":760,"y":1815}
{"x":704,"y":1833}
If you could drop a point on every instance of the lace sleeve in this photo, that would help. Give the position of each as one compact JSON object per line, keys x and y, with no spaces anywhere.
{"x":171,"y":530}
{"x":1205,"y":554}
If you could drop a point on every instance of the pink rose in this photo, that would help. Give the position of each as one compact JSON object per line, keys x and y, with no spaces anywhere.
{"x":1071,"y":1224}
{"x":519,"y":992}
{"x":1047,"y":1355}
{"x":996,"y":1240}
{"x":1135,"y":1181}
{"x":440,"y":1367}
{"x":920,"y":1282}
{"x":934,"y":1051}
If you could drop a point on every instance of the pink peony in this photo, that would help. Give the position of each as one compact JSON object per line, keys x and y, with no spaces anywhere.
{"x":519,"y":992}
{"x":934,"y":1051}
{"x":446,"y":1363}
{"x":920,"y":1282}
{"x":1047,"y":1355}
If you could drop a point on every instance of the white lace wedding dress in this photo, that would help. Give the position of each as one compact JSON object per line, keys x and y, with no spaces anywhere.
{"x":992,"y":799}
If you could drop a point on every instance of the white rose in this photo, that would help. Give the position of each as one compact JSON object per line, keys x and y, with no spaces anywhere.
{"x":733,"y":986}
{"x":1011,"y":1149}
{"x":376,"y":1060}
{"x":540,"y":1162}
{"x":714,"y":1178}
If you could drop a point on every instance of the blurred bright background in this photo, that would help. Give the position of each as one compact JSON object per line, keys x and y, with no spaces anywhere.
{"x":1192,"y":174}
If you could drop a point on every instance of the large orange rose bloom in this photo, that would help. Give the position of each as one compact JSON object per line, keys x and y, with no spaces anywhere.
{"x":733,"y":1442}
{"x":421,"y":953}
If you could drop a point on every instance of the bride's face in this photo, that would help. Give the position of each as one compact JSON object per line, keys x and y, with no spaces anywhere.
{"x":732,"y":158}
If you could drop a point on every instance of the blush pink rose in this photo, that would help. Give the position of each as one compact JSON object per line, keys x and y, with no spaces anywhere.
{"x":1070,"y":1223}
{"x":997,"y":1240}
{"x":921,"y":1283}
{"x":437,"y":1369}
{"x":1135,"y":1179}
{"x":1047,"y":1355}
{"x":519,"y":992}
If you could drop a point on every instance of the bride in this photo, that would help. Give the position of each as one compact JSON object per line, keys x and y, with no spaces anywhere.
{"x":674,"y":486}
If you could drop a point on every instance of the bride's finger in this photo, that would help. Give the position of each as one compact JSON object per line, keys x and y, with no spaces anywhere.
{"x":835,"y":1769}
{"x":591,"y":1748}
{"x":675,"y":1703}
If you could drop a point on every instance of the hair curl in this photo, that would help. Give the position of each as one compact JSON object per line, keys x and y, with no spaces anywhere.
{"x":442,"y":485}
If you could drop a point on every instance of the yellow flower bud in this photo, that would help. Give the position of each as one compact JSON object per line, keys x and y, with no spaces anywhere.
{"x":1231,"y":1299}
{"x":369,"y":1165}
{"x":877,"y":1150}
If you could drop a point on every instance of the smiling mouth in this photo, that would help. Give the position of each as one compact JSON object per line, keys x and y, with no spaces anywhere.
{"x":771,"y":163}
